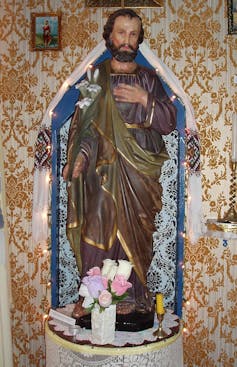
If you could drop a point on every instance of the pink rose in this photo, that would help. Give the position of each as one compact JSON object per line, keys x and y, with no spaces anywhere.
{"x":95,"y":284}
{"x":105,"y":282}
{"x":105,"y":298}
{"x":94,"y":271}
{"x":120,"y":285}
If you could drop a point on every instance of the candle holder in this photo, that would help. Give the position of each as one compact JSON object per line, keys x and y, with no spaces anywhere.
{"x":231,"y":215}
{"x":228,"y":223}
{"x":160,"y":333}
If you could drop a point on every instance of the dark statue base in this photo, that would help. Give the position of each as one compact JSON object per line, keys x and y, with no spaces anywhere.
{"x":134,"y":321}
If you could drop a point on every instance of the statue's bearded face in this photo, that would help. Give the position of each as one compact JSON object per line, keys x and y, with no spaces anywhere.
{"x":124,"y":38}
{"x":122,"y":55}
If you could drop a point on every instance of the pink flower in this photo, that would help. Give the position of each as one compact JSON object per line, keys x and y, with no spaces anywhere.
{"x":105,"y":298}
{"x":94,"y":271}
{"x":120,"y":285}
{"x":105,"y":282}
{"x":95,"y":284}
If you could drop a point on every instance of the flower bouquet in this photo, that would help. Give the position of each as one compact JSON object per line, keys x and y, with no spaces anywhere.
{"x":106,"y":286}
{"x":102,"y":289}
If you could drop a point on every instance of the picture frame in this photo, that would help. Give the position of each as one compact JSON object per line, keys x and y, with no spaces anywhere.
{"x":232,"y":16}
{"x":124,"y":3}
{"x":46,"y":31}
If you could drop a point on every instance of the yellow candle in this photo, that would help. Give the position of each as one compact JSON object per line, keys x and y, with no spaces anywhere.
{"x":159,"y":304}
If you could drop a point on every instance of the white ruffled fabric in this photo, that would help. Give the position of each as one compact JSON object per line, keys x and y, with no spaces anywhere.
{"x":41,"y":198}
{"x":121,"y":337}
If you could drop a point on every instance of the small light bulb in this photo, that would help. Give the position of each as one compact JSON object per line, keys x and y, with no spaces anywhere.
{"x":65,"y":85}
{"x":45,"y":214}
{"x":182,"y":234}
{"x":47,"y":178}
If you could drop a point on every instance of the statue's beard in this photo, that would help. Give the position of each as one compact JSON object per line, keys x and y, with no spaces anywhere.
{"x":122,"y":56}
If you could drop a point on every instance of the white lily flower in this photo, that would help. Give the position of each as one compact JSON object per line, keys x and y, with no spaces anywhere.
{"x":96,"y":75}
{"x":84,"y":84}
{"x":94,"y":88}
{"x":88,"y":72}
{"x":85,"y":102}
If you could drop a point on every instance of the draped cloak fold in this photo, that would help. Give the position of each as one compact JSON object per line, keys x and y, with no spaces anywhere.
{"x":118,"y":195}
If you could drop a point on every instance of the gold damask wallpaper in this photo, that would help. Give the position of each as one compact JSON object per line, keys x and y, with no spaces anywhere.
{"x":190,"y":36}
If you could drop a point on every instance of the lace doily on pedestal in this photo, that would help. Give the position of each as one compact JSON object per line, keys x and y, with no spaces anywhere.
{"x":122,"y":338}
{"x":170,"y":356}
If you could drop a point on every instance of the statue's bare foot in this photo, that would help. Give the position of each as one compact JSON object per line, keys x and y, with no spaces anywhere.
{"x":79,"y":310}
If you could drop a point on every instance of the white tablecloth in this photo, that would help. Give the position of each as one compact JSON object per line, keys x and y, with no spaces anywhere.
{"x":63,"y":353}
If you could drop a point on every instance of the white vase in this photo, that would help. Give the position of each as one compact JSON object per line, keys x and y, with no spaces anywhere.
{"x":103,"y":325}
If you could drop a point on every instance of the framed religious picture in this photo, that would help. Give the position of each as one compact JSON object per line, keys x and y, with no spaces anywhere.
{"x":125,"y":3}
{"x":45,"y":31}
{"x":232,"y":16}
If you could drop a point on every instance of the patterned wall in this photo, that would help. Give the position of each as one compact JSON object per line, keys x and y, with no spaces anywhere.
{"x":190,"y":36}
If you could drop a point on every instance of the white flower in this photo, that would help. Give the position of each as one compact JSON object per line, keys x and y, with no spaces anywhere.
{"x":96,"y":74}
{"x":88,"y":72}
{"x":83,"y":291}
{"x":94,"y":88}
{"x":124,"y":268}
{"x":85,"y":102}
{"x":109,"y":269}
{"x":92,"y":75}
{"x":113,"y":271}
{"x":84,"y":84}
{"x":88,"y":300}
